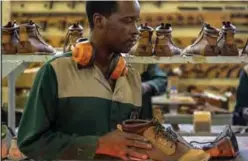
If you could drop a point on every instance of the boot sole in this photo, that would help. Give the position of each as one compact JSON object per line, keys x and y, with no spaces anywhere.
{"x":26,"y":48}
{"x":195,"y":155}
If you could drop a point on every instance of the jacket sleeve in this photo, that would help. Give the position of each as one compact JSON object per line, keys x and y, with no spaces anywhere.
{"x":242,"y":93}
{"x":158,"y":79}
{"x":37,"y":137}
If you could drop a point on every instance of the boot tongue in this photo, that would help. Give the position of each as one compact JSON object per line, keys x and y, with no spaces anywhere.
{"x":208,"y":29}
{"x":227,"y":26}
{"x":76,"y":26}
{"x":10,"y":26}
{"x":164,"y":28}
{"x":145,"y":28}
{"x":168,"y":132}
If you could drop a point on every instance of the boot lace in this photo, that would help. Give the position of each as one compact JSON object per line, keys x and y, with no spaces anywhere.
{"x":201,"y":145}
{"x":166,"y":133}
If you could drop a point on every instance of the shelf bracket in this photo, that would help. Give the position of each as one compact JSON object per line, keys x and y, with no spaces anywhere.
{"x":12,"y":70}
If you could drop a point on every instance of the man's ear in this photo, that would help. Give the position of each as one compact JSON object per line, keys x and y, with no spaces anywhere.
{"x":99,"y":20}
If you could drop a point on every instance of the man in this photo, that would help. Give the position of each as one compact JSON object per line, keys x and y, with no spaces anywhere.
{"x":241,"y":109}
{"x":72,"y":112}
{"x":154,"y":82}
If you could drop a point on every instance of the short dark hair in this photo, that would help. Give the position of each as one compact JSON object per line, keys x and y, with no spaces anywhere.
{"x":106,"y":8}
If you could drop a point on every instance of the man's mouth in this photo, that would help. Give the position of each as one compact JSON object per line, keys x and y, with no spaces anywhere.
{"x":132,"y":41}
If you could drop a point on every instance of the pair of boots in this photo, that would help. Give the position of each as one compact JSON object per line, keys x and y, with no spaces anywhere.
{"x":213,"y":42}
{"x":10,"y":150}
{"x":164,"y":45}
{"x":24,"y":39}
{"x":170,"y":146}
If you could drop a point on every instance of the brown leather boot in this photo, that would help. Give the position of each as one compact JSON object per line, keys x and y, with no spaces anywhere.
{"x":144,"y":45}
{"x":9,"y":38}
{"x":164,"y":45}
{"x":74,"y":33}
{"x":205,"y":44}
{"x":245,"y":49}
{"x":168,"y":145}
{"x":226,"y":40}
{"x":225,"y":145}
{"x":228,"y":132}
{"x":31,"y":41}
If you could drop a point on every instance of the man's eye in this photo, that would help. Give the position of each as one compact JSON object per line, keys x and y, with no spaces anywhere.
{"x":129,"y":20}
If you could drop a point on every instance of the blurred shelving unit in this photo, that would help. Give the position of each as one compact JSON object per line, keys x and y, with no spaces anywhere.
{"x":54,"y":17}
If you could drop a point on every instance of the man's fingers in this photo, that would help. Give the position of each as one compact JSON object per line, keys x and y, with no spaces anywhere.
{"x":135,"y":159}
{"x":125,"y":158}
{"x":139,"y":144}
{"x":136,"y":137}
{"x":136,"y":155}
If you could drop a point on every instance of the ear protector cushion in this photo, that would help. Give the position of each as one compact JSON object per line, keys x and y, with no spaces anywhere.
{"x":117,"y":67}
{"x":83,"y":53}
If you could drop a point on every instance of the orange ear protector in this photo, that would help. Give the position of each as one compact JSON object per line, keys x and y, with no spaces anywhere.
{"x":83,"y":53}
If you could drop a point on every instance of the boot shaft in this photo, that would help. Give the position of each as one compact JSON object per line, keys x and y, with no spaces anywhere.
{"x":227,"y":33}
{"x":163,"y":33}
{"x":10,"y":38}
{"x":144,"y":46}
{"x":74,"y":33}
{"x":10,"y":33}
{"x":145,"y":34}
{"x":211,"y":34}
{"x":164,"y":45}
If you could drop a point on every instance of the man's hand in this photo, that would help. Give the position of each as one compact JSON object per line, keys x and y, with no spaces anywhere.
{"x":146,"y":88}
{"x":119,"y":144}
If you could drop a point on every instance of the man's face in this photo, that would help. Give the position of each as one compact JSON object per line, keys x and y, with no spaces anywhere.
{"x":120,"y":29}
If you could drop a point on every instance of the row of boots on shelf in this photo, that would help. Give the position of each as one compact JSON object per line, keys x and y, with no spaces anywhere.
{"x":210,"y":42}
{"x":26,"y":39}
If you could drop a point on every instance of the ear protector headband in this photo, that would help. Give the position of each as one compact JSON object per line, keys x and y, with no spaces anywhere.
{"x":83,"y":53}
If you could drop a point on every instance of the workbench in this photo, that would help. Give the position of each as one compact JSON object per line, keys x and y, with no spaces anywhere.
{"x":242,"y":141}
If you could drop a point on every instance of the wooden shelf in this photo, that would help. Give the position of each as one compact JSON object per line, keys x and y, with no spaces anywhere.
{"x":143,"y":60}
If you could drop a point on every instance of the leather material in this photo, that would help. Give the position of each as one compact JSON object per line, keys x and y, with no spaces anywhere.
{"x":221,"y":149}
{"x":74,"y":33}
{"x":144,"y":46}
{"x":205,"y":44}
{"x":164,"y":45}
{"x":224,"y":145}
{"x":167,"y":144}
{"x":227,"y":132}
{"x":245,"y":49}
{"x":31,"y":40}
{"x":10,"y":38}
{"x":226,"y":40}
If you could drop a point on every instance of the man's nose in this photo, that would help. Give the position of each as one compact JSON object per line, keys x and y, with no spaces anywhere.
{"x":135,"y":30}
